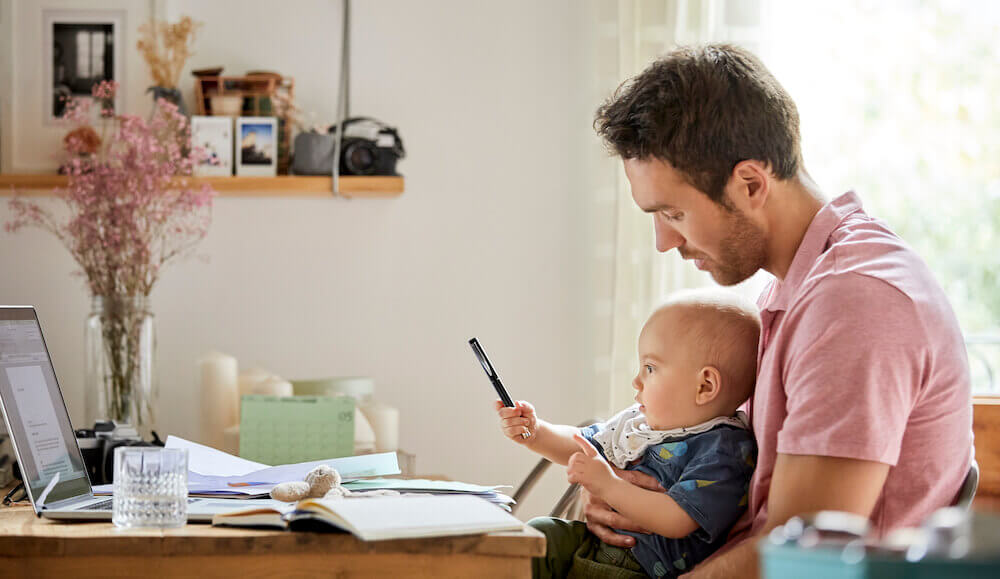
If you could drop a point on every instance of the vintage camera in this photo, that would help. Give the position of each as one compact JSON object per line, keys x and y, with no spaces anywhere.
{"x":369,"y":147}
{"x":98,"y":446}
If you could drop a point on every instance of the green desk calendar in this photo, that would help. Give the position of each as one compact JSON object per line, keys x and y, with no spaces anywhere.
{"x":285,"y":430}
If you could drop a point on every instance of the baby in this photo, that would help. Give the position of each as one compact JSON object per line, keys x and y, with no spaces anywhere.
{"x":697,"y":365}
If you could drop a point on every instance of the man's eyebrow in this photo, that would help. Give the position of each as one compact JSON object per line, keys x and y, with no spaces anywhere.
{"x":658,"y":207}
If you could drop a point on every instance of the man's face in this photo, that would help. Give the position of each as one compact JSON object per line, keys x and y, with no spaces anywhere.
{"x":723,"y":242}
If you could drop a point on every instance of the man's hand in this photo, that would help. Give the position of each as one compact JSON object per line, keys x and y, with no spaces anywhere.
{"x":588,"y":469}
{"x":602,"y":520}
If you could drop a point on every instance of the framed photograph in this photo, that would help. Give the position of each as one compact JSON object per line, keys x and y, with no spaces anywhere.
{"x":257,"y":146}
{"x":80,"y":49}
{"x":55,"y":48}
{"x":215,"y":135}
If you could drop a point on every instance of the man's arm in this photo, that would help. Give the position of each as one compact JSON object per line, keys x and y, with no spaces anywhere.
{"x":803,"y":484}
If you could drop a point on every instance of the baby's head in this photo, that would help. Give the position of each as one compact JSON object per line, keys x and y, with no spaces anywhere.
{"x":697,"y":358}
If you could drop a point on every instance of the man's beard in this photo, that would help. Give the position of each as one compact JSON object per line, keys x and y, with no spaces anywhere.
{"x":741,"y":253}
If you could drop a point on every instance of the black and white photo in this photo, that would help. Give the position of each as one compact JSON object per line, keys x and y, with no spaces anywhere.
{"x":81,"y":49}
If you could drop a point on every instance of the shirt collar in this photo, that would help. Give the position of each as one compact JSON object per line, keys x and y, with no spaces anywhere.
{"x":813,"y":244}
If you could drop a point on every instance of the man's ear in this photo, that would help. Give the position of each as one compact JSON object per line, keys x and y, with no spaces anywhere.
{"x":709,"y":385}
{"x":752,"y":181}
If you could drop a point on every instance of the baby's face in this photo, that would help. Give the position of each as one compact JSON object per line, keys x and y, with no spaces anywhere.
{"x":668,"y":376}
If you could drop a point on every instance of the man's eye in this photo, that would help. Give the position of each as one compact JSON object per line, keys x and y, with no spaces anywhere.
{"x":673,"y":216}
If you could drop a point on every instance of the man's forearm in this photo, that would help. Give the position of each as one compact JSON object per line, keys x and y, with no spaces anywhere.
{"x":740,"y":562}
{"x":554,"y":441}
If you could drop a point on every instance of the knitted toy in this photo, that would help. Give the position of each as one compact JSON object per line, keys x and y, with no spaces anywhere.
{"x":321,"y":482}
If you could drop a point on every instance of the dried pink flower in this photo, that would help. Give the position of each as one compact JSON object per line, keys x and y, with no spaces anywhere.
{"x":133,"y":206}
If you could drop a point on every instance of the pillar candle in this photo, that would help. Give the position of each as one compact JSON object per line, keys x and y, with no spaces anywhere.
{"x":219,"y":397}
{"x":385,"y":424}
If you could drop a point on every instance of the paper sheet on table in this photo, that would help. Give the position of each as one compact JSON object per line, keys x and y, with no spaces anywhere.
{"x":417,"y":484}
{"x":212,"y":462}
{"x":260,"y":476}
{"x":212,"y":465}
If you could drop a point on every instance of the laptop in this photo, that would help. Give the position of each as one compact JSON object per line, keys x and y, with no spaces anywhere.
{"x":43,"y":438}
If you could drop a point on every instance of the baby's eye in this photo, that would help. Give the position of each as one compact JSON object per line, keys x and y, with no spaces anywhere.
{"x":677,"y":216}
{"x":648,"y":368}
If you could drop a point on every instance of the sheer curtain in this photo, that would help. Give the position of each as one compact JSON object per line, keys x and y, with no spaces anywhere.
{"x":642,"y":277}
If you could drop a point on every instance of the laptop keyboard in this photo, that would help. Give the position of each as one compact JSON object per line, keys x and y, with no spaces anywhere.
{"x":106,"y":505}
{"x":101,"y":506}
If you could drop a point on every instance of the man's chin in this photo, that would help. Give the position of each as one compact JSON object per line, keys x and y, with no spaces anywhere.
{"x":729,"y":277}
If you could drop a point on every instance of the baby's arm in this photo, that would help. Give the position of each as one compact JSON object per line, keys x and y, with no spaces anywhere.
{"x":553,"y":441}
{"x":651,"y":510}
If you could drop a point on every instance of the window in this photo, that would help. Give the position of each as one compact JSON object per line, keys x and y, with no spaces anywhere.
{"x":897,"y":100}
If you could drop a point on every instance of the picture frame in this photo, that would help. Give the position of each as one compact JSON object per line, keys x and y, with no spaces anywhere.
{"x":215,"y":135}
{"x":80,"y":48}
{"x":256,"y":146}
{"x":31,"y":139}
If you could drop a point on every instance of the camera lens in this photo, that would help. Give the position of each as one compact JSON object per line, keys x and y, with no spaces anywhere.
{"x":359,"y":158}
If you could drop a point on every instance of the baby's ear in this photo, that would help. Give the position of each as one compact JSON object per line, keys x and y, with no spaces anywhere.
{"x":709,"y":385}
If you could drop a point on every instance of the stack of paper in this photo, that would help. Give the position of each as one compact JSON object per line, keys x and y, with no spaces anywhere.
{"x":215,"y":473}
{"x":434,"y":487}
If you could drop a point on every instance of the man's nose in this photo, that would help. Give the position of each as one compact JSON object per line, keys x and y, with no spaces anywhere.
{"x":667,"y":237}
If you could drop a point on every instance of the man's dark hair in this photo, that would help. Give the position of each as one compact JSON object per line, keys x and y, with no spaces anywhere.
{"x":704,"y":109}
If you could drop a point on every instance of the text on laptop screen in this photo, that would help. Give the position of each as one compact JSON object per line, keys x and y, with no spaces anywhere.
{"x":35,"y":411}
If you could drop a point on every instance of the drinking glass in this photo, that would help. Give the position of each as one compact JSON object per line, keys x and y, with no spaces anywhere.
{"x":150,"y":487}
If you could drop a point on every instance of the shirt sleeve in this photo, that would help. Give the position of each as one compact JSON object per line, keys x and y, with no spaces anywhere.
{"x":589,"y":432}
{"x":712,"y":489}
{"x":852,"y":370}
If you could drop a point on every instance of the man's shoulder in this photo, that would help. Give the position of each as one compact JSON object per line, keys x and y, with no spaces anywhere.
{"x":864,"y":259}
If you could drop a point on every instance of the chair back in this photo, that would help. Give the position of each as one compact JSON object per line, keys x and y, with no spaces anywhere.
{"x":968,"y":490}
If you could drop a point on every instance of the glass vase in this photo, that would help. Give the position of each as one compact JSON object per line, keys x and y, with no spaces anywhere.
{"x":120,"y":349}
{"x":172,"y":95}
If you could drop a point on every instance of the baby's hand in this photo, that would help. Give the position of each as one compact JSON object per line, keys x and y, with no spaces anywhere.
{"x":588,"y":468}
{"x":518,"y":421}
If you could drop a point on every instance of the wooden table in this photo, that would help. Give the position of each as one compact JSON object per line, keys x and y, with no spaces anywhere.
{"x":33,"y":547}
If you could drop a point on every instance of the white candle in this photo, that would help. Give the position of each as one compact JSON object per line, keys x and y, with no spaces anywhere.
{"x":385,"y":423}
{"x":274,"y":386}
{"x":219,"y":397}
{"x":231,"y":437}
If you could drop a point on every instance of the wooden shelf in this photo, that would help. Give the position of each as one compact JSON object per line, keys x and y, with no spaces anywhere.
{"x":282,"y":186}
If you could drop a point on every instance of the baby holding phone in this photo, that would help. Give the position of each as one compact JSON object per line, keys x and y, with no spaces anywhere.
{"x":697,"y":365}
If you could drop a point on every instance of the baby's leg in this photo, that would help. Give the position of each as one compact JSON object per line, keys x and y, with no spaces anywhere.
{"x":562,"y":539}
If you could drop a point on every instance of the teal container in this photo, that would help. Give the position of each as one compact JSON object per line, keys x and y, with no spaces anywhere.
{"x":789,"y":561}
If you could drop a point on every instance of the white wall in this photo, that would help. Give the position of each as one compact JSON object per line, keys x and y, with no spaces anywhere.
{"x":492,"y":238}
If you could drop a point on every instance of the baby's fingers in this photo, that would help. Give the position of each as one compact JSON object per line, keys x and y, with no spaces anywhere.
{"x":508,"y":412}
{"x":516,"y":421}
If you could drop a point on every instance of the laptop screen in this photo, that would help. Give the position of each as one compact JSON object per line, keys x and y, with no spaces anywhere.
{"x":36,"y":414}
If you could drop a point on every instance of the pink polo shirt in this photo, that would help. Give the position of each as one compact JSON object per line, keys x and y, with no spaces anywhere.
{"x":861,"y":357}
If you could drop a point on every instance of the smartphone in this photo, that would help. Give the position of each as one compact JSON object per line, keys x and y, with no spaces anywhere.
{"x":491,"y":373}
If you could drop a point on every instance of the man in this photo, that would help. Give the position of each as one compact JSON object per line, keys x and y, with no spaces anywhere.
{"x":862,"y":401}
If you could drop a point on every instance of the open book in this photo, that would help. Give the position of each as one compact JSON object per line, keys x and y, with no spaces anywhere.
{"x":379,"y":518}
